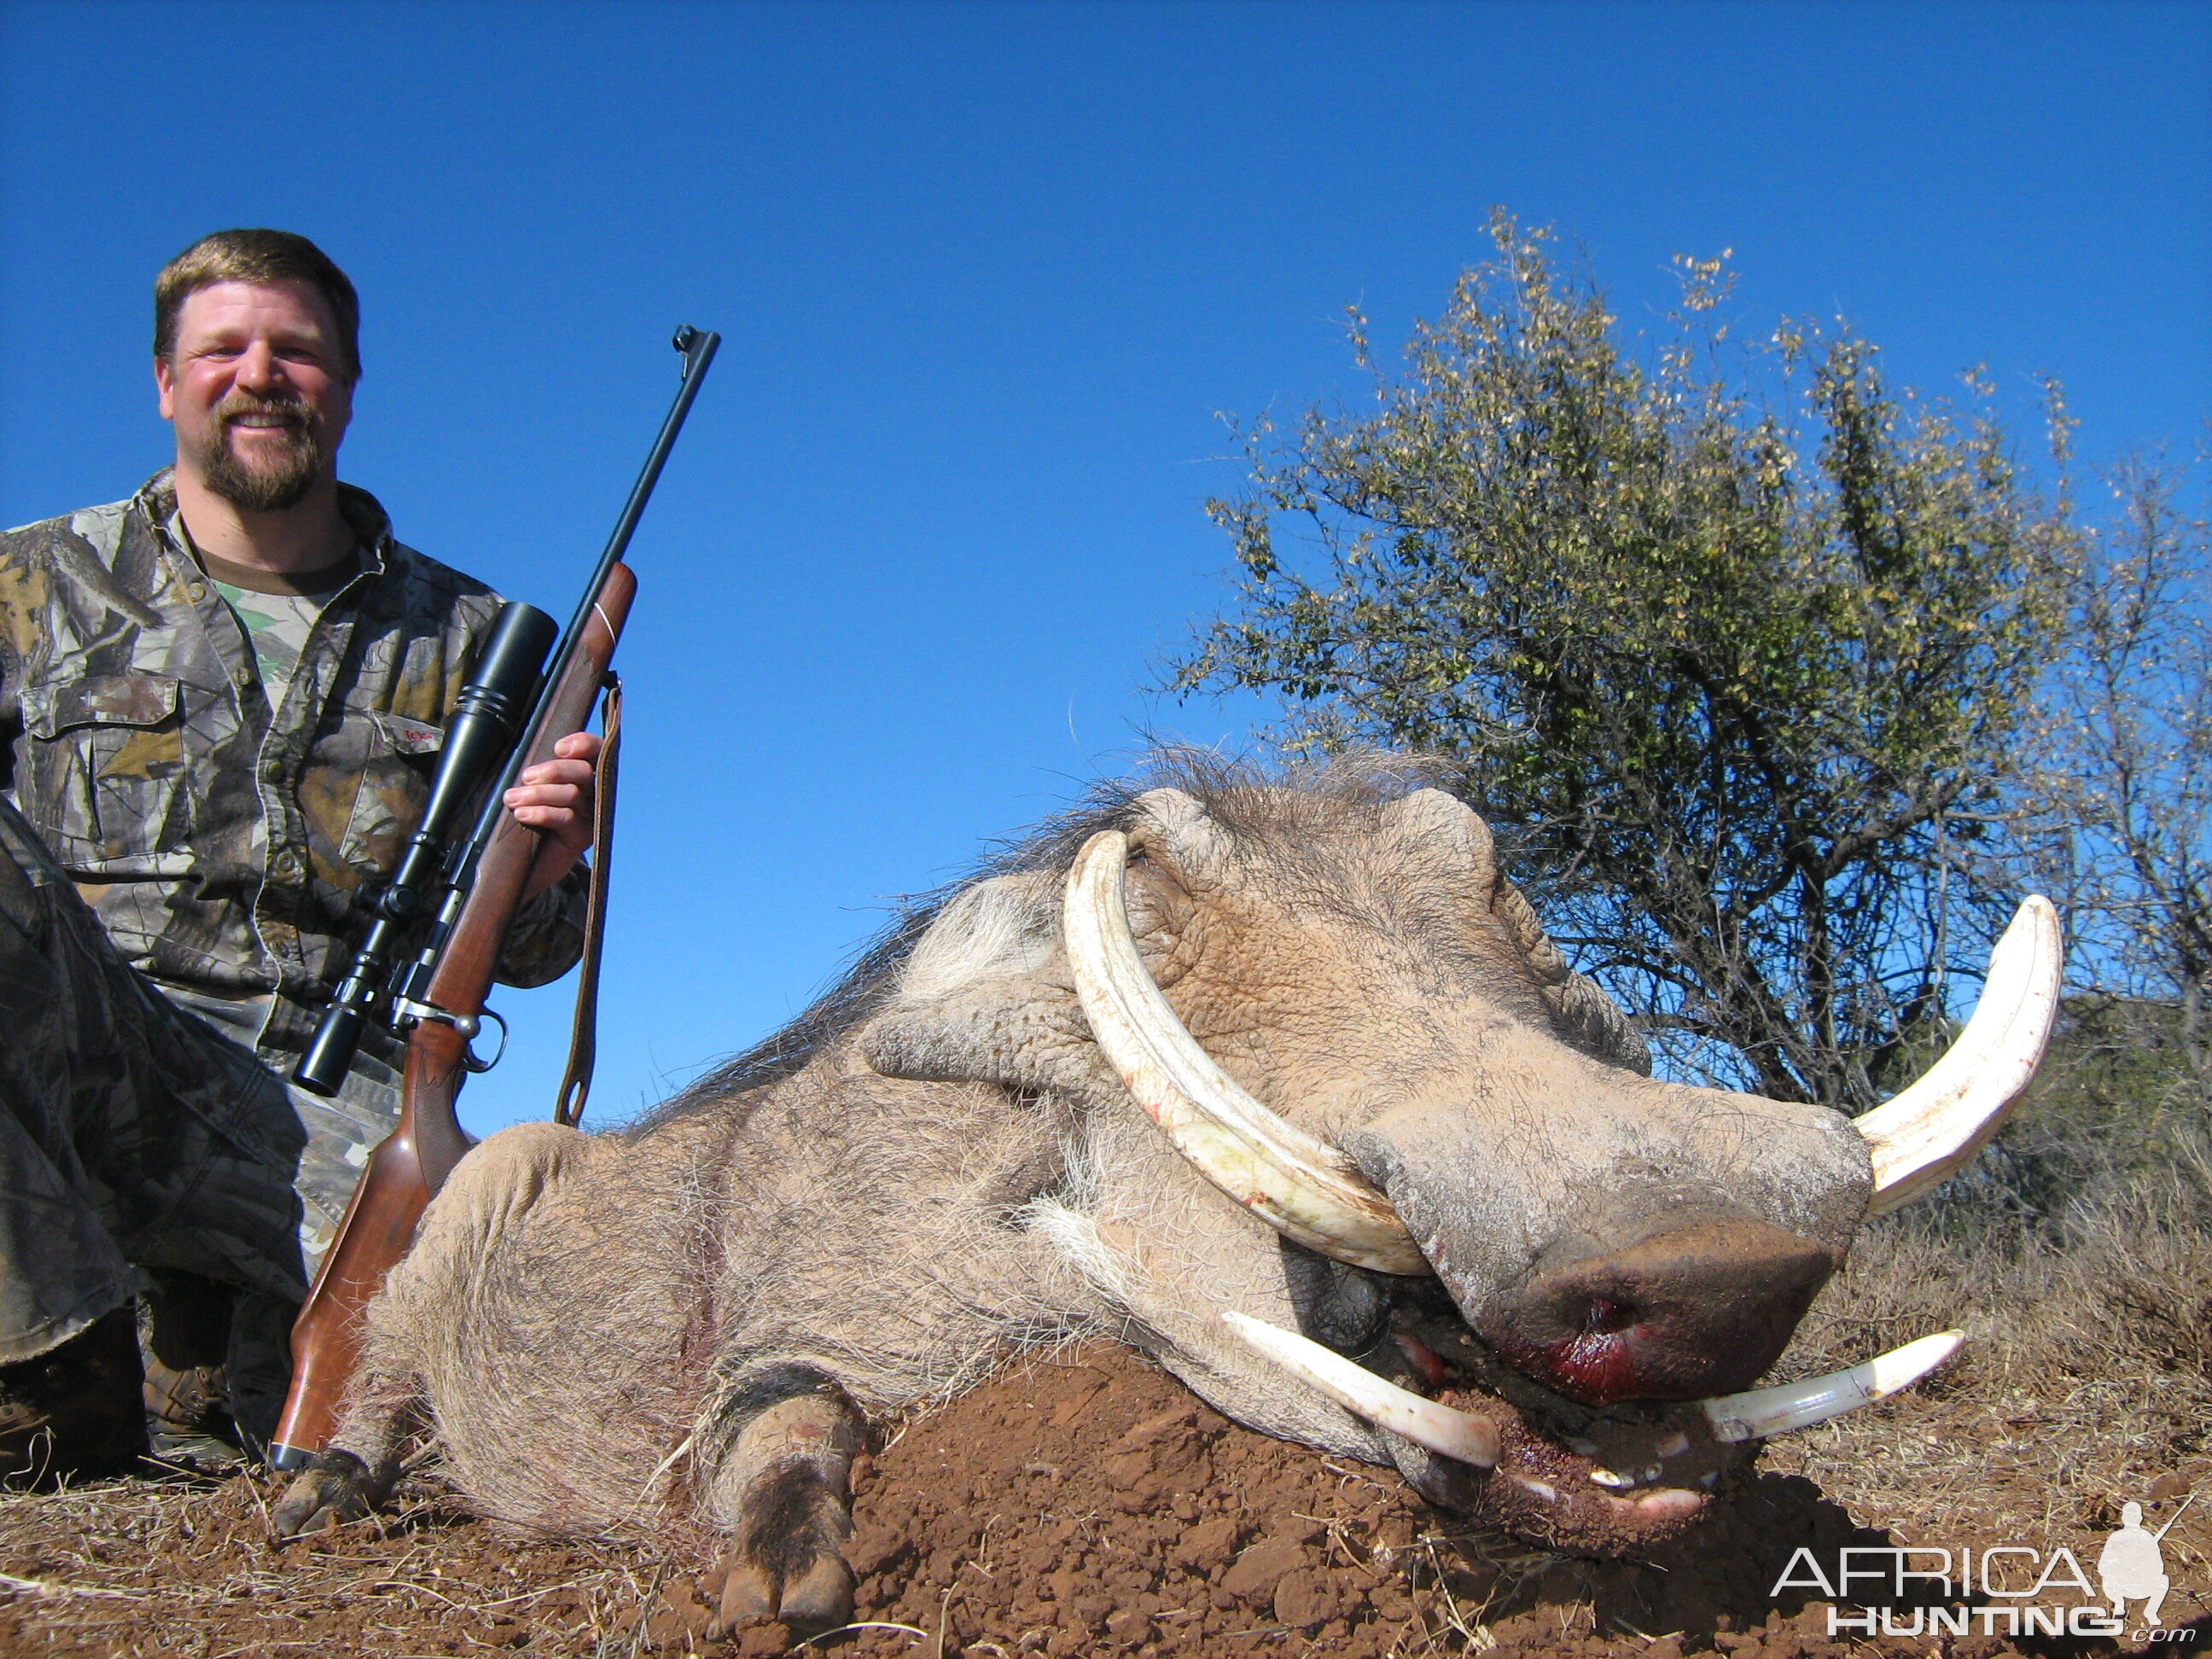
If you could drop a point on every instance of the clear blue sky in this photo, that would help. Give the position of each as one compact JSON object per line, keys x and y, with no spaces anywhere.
{"x":986,"y":274}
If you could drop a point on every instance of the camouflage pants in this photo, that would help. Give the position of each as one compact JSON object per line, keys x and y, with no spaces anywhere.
{"x":140,"y":1142}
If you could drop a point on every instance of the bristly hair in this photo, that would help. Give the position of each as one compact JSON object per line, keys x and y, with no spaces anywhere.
{"x":1243,"y":797}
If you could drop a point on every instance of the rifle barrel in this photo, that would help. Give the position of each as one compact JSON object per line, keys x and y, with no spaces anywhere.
{"x":698,"y":348}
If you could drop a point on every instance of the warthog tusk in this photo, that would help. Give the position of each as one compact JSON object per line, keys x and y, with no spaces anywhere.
{"x":1929,"y":1132}
{"x":1302,"y":1187}
{"x":1451,"y":1433}
{"x":1765,"y":1411}
{"x":1472,"y":1439}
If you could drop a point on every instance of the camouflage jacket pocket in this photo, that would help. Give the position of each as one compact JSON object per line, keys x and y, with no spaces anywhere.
{"x":395,"y":783}
{"x":107,"y":787}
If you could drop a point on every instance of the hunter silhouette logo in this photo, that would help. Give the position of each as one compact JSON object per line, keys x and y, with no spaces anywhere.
{"x":2131,"y":1567}
{"x":2009,"y":1589}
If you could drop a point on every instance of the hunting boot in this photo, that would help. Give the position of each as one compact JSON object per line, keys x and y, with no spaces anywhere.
{"x":74,"y":1409}
{"x":184,"y":1334}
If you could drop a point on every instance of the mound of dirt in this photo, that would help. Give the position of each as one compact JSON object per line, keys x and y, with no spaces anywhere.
{"x":1084,"y":1504}
{"x":1089,"y":1504}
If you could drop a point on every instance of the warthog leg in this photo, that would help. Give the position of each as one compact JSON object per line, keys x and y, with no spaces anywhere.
{"x":352,"y":1477}
{"x":335,"y":1487}
{"x":783,"y":1490}
{"x":417,"y":1328}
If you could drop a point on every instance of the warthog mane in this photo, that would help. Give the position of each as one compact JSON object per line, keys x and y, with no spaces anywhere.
{"x":1333,"y":793}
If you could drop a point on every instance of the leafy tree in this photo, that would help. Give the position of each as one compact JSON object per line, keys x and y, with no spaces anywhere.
{"x":2117,"y":792}
{"x":1738,"y":638}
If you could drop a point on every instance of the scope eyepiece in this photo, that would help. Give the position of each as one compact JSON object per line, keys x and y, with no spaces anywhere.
{"x":330,"y":1056}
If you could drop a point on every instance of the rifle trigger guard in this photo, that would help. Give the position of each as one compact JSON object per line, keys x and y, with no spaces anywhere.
{"x":468,"y":1061}
{"x":466,"y":1025}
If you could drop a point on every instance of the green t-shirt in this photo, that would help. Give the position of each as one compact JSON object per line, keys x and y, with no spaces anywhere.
{"x":278,"y":625}
{"x":276,"y":610}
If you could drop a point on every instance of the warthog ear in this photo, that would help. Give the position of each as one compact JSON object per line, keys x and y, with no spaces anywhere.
{"x":1174,"y":819}
{"x":1433,"y":817}
{"x":1594,"y":1021}
{"x":980,"y":1000}
{"x":1591,"y":1020}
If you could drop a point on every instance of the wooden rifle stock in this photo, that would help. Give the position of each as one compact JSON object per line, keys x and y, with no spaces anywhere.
{"x":406,"y":1171}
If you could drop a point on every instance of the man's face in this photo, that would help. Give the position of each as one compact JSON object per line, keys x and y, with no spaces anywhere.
{"x":258,"y":393}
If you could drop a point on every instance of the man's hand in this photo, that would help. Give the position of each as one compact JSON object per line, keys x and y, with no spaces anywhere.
{"x":554,"y":797}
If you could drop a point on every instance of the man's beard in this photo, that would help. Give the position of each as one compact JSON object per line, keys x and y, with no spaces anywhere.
{"x":274,"y":481}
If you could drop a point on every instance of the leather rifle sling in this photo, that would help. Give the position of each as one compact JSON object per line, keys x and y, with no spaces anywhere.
{"x":583,"y":1030}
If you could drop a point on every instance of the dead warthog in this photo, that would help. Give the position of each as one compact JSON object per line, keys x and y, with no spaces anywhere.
{"x":1200,"y":1066}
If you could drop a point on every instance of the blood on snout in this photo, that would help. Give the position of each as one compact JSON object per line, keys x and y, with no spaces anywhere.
{"x":1597,"y":1367}
{"x":1700,"y":1307}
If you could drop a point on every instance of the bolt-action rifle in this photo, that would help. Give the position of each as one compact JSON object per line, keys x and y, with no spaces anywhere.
{"x":425,"y":965}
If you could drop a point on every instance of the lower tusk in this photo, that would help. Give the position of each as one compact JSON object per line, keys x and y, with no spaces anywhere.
{"x":1764,"y":1412}
{"x":1454,"y":1434}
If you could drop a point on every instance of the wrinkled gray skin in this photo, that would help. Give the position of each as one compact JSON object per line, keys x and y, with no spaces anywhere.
{"x":698,"y":1319}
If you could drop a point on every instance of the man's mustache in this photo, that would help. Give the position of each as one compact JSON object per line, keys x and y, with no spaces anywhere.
{"x":237,"y":405}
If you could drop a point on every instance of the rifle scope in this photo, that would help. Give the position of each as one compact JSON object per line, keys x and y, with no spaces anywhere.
{"x":486,"y":720}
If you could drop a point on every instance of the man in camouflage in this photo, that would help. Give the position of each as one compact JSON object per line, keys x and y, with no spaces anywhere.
{"x":220,"y":701}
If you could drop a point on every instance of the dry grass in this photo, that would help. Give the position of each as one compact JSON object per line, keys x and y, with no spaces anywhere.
{"x":174,"y":1566}
{"x":2078,"y":1260}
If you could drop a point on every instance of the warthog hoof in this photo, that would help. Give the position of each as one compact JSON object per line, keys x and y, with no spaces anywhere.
{"x":787,"y":1562}
{"x":335,"y":1487}
{"x":819,"y":1599}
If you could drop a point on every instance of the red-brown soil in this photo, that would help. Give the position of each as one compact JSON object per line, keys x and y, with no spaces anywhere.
{"x":1085,"y":1503}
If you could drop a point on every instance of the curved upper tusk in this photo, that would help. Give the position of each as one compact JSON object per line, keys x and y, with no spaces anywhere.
{"x":1457,"y":1434}
{"x":1299,"y":1186}
{"x":1926,"y":1133}
{"x":1764,"y":1412}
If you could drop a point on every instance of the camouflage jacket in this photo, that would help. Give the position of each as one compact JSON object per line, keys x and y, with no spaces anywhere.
{"x":225,"y":844}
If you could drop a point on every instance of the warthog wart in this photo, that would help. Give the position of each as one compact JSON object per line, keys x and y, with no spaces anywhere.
{"x":1279,"y":1082}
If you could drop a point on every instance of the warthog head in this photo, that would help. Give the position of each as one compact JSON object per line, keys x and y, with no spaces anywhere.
{"x":1540,"y":1279}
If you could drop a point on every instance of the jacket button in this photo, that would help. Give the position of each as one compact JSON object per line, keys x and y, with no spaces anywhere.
{"x":196,"y":592}
{"x":241,"y":677}
{"x":272,"y":771}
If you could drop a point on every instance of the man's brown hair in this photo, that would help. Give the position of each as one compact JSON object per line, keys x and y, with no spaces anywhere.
{"x":256,"y":256}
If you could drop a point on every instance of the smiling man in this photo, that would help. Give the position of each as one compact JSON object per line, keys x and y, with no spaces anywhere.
{"x":220,"y":703}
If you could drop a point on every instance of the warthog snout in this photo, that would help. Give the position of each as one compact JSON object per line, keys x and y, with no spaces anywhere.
{"x":1687,"y":1309}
